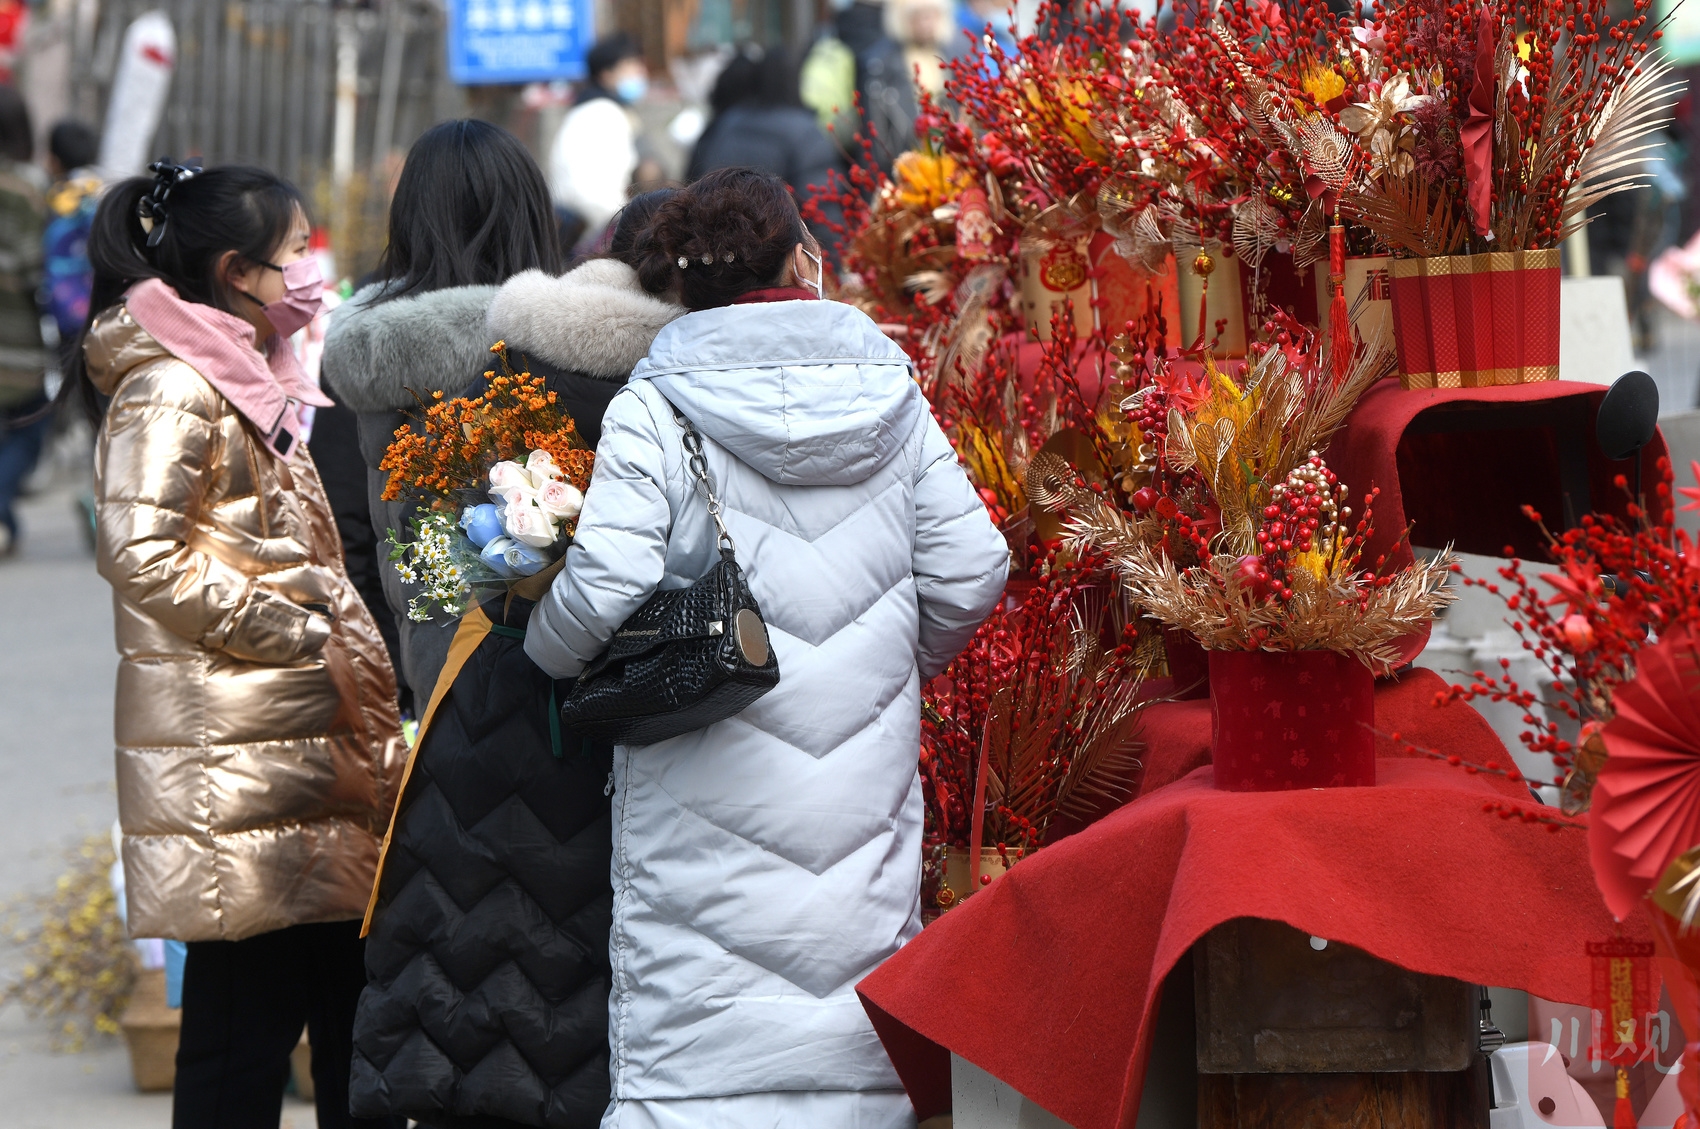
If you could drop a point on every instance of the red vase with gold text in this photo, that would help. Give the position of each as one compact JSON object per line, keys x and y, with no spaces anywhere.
{"x":1281,"y":720}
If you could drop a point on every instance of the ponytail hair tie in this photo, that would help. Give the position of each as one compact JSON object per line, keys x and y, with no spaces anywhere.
{"x":151,"y":210}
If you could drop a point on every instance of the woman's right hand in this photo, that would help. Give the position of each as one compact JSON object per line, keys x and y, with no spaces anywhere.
{"x":268,"y":628}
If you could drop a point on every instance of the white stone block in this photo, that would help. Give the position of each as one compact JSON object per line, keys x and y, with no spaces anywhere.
{"x":1593,"y":336}
{"x":981,"y":1101}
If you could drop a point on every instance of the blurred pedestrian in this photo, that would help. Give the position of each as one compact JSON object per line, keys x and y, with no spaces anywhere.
{"x":924,"y":28}
{"x":980,"y":23}
{"x":767,"y":127}
{"x":855,"y":59}
{"x":765,"y":864}
{"x":470,"y":211}
{"x":25,"y":413}
{"x":259,"y":750}
{"x":595,"y":151}
{"x":72,"y":148}
{"x":517,"y":824}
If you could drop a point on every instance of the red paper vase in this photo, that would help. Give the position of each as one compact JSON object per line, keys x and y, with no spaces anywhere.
{"x":1291,"y":719}
{"x":1475,"y":321}
{"x":1646,"y":803}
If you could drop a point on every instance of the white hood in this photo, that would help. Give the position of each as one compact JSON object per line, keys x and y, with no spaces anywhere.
{"x":807,"y":393}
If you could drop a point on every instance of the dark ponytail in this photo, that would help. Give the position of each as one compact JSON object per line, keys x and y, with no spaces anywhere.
{"x":734,"y":229}
{"x":195,"y":217}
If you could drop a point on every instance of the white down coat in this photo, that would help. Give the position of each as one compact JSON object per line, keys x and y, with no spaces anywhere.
{"x":764,"y":865}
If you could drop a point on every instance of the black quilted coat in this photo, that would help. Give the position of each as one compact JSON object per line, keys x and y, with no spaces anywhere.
{"x":487,"y":1005}
{"x":488,"y":956}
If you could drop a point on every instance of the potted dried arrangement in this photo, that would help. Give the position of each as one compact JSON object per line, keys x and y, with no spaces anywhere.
{"x":1036,"y":719}
{"x":1484,"y":133}
{"x":1274,"y":586}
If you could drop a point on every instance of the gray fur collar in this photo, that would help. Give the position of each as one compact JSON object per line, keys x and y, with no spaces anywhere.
{"x":378,"y":356}
{"x":595,"y":319}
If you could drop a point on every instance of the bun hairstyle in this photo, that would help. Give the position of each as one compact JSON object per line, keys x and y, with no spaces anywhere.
{"x":733,"y":230}
{"x":175,"y":226}
{"x":632,"y":222}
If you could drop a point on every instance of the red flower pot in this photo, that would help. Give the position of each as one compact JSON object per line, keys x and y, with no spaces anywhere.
{"x":1291,"y":719}
{"x":1475,"y":321}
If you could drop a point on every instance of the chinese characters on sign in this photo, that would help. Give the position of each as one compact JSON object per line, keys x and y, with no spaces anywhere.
{"x":507,"y":41}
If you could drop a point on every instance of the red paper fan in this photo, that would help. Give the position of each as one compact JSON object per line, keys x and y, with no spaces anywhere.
{"x":1646,"y":806}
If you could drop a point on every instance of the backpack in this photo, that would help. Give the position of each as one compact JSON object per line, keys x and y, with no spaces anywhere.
{"x":71,"y":208}
{"x":828,"y":86}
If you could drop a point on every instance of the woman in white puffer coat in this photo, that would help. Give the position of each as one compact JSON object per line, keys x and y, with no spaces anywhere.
{"x":763,"y":866}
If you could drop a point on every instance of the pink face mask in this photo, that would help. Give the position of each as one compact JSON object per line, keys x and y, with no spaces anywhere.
{"x":303,"y":296}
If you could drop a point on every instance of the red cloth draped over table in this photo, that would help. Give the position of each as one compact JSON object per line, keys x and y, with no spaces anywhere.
{"x":1050,"y":978}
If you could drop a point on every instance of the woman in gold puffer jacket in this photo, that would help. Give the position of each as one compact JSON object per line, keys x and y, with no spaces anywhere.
{"x":259,"y":748}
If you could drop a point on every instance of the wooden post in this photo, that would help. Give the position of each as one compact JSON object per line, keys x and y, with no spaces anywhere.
{"x":1297,"y":1032}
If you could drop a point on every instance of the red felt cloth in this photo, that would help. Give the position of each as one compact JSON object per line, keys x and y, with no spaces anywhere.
{"x":1469,"y":487}
{"x":1050,"y":978}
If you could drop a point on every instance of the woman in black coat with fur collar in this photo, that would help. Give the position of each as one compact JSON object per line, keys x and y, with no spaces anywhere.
{"x":487,"y":1000}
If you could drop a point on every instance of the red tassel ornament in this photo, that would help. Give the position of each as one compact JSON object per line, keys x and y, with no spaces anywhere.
{"x":1623,"y":1115}
{"x":1339,"y":319}
{"x":1202,"y":266}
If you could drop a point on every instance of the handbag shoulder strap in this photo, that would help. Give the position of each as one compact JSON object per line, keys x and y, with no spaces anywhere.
{"x":697,"y":464}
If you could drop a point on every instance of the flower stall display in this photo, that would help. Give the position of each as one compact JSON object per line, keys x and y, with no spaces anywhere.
{"x":498,"y":477}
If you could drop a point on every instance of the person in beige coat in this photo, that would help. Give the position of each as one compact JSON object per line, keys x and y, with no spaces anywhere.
{"x":259,"y":749}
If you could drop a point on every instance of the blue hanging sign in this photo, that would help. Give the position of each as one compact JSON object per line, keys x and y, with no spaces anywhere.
{"x":507,"y":41}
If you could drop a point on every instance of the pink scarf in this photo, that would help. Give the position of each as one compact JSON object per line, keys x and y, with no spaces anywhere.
{"x":265,"y":388}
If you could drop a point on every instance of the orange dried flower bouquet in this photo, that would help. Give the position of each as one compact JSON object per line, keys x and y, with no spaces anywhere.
{"x":499,"y":479}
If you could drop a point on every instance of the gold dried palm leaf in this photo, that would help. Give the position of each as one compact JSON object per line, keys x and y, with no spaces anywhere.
{"x":1623,"y":139}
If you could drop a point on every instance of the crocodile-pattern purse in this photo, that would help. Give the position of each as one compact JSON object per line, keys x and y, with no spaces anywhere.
{"x":688,"y":658}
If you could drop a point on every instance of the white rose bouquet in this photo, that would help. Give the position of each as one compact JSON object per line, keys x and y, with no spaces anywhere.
{"x":500,"y":479}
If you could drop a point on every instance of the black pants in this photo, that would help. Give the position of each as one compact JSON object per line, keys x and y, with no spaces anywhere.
{"x":244,"y":1003}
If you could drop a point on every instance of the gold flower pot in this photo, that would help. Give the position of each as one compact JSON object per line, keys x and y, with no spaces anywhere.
{"x":958,"y":880}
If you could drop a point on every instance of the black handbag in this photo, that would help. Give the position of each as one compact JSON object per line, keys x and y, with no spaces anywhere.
{"x":688,"y":658}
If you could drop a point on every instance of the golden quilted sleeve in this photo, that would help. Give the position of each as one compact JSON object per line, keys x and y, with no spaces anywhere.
{"x":158,"y":446}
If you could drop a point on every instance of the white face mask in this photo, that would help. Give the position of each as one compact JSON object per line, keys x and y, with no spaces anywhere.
{"x":819,"y":284}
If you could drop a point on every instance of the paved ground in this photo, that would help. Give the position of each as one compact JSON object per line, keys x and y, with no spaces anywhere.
{"x":56,"y":674}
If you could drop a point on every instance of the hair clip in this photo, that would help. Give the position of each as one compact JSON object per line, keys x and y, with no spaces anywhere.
{"x":727,"y":257}
{"x":707,"y":257}
{"x":683,"y":262}
{"x":151,"y":211}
